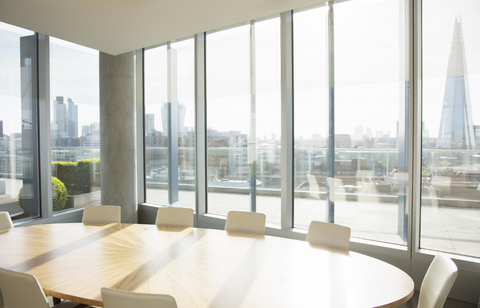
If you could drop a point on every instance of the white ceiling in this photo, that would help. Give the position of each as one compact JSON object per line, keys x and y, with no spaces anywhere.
{"x":119,"y":26}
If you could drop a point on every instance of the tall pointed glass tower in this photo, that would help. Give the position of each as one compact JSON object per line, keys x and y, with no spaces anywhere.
{"x":456,"y":127}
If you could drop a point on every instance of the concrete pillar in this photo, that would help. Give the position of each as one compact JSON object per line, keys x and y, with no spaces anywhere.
{"x":117,"y":133}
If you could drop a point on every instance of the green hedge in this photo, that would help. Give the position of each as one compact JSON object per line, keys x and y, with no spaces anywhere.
{"x":78,"y":177}
{"x":86,"y":173}
{"x":67,"y":173}
{"x":59,"y":195}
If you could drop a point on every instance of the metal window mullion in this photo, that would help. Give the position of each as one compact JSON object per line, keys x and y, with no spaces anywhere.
{"x":416,"y":130}
{"x":140,"y":119}
{"x":200,"y":127}
{"x":253,"y":123}
{"x":45,"y":159}
{"x":330,"y":208}
{"x":287,"y":169}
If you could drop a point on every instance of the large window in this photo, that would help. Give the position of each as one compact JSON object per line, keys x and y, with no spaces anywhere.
{"x":243,"y":119}
{"x":75,"y":125}
{"x":450,"y":215}
{"x":18,"y":123}
{"x":311,"y":115}
{"x":350,"y":117}
{"x":169,"y":124}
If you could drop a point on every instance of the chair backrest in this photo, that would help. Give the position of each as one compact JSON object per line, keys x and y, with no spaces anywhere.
{"x":93,"y":214}
{"x":21,"y":290}
{"x":246,"y":222}
{"x":328,"y":234}
{"x":123,"y":299}
{"x":5,"y":221}
{"x":437,"y":283}
{"x":174,"y":216}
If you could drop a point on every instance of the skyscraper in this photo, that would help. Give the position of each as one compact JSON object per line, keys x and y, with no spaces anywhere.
{"x":72,"y":119}
{"x":59,"y":117}
{"x":65,"y":118}
{"x":1,"y":129}
{"x":149,"y":123}
{"x":456,"y":127}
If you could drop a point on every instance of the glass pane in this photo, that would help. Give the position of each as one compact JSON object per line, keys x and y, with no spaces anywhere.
{"x":268,"y":119}
{"x":311,"y":115}
{"x":243,"y":120}
{"x":228,"y":120}
{"x":366,"y":192}
{"x":18,"y":123}
{"x":450,"y":215}
{"x":75,"y":125}
{"x":170,"y":110}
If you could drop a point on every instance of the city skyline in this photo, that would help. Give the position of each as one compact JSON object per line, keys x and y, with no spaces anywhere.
{"x":435,"y":66}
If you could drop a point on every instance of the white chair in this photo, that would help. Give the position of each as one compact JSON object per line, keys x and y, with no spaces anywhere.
{"x":98,"y":214}
{"x":123,"y":299}
{"x":174,"y":216}
{"x":437,"y":283}
{"x":328,"y":234}
{"x":246,"y":222}
{"x":22,"y":290}
{"x":5,"y":221}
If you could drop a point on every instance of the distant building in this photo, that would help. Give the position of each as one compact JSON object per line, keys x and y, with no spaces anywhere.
{"x":149,"y":123}
{"x":59,"y":128}
{"x":72,"y":119}
{"x":343,"y":141}
{"x":456,"y":126}
{"x":1,"y":129}
{"x":86,"y":130}
{"x":476,"y":129}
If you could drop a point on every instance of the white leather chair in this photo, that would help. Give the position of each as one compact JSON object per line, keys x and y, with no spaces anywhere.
{"x":437,"y":283}
{"x":5,"y":221}
{"x":246,"y":222}
{"x":22,"y":290}
{"x":328,"y":234}
{"x":174,"y":216}
{"x":123,"y":299}
{"x":95,"y":214}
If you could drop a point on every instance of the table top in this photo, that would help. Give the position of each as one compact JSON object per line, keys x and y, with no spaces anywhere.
{"x":199,"y":267}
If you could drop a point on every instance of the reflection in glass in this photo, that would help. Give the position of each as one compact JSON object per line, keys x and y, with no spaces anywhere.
{"x":169,"y":124}
{"x":450,"y":216}
{"x":75,"y":125}
{"x":18,"y":123}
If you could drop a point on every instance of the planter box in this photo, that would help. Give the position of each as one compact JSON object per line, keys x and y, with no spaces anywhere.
{"x":79,"y":201}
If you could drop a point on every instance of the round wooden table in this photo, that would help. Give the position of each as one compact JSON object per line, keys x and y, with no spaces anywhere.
{"x":199,"y":267}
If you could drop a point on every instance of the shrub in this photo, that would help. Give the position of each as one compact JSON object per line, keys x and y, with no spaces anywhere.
{"x":59,"y":194}
{"x":86,"y":173}
{"x":67,"y":173}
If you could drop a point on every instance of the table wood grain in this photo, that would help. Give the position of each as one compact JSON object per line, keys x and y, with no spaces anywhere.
{"x":199,"y":267}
